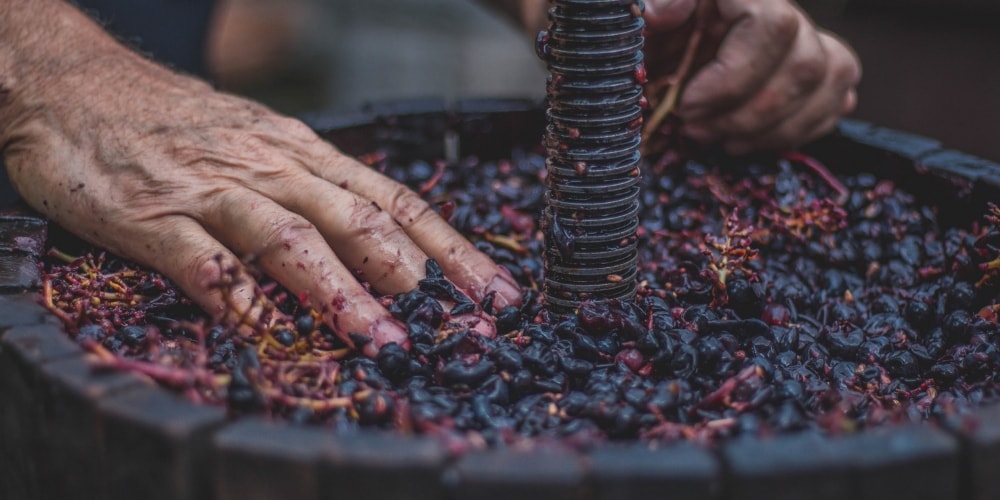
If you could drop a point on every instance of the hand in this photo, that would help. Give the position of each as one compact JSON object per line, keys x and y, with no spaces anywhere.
{"x":159,"y":168}
{"x":764,"y":77}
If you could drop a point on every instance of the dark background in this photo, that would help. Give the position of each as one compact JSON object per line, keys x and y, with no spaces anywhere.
{"x":930,"y":67}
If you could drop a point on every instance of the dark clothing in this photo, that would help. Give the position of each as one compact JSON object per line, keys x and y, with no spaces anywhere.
{"x":173,"y":32}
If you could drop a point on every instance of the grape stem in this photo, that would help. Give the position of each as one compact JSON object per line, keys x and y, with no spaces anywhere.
{"x":819,"y":169}
{"x":676,"y":80}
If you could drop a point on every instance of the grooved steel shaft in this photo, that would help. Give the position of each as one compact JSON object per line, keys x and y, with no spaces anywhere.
{"x":594,"y":53}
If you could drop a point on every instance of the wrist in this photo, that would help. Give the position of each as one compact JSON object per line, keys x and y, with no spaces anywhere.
{"x":42,"y":43}
{"x":55,"y":61}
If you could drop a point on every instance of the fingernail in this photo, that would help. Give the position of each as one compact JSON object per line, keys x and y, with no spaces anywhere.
{"x":507,"y":291}
{"x":370,"y":350}
{"x":382,"y":332}
{"x":476,"y":323}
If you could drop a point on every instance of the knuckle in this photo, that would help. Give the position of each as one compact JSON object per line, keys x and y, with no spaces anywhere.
{"x":285,"y":232}
{"x":845,"y":66}
{"x":763,"y":110}
{"x":296,"y":128}
{"x":187,"y":154}
{"x":205,"y":269}
{"x":284,"y":131}
{"x":722,"y":75}
{"x":848,"y":72}
{"x":808,"y":73}
{"x":784,"y":23}
{"x":753,"y":10}
{"x":767,"y":104}
{"x":216,"y":200}
{"x":461,"y":250}
{"x":409,"y":208}
{"x":372,"y":226}
{"x":370,"y":216}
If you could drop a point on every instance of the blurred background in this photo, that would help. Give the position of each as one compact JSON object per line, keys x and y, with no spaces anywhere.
{"x":303,"y":55}
{"x":930,"y":66}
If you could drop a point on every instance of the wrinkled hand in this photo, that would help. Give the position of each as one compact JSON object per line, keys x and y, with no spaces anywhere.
{"x":161,"y":169}
{"x":764,"y":76}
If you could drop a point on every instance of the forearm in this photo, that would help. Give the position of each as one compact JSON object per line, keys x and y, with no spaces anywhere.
{"x":52,"y":53}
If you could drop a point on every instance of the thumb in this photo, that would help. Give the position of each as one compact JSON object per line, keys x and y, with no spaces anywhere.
{"x":668,"y":14}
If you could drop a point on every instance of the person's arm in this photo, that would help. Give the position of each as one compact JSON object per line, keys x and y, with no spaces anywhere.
{"x":771,"y":79}
{"x":160,"y":168}
{"x":767,"y":78}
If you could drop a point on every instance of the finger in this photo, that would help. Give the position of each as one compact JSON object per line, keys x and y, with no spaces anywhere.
{"x":834,"y":98}
{"x":470,"y":269}
{"x":760,"y":35}
{"x":785,"y":93}
{"x":810,"y":123}
{"x":366,"y":239}
{"x":846,"y":62}
{"x":364,"y":236}
{"x":290,"y":249}
{"x":180,"y":249}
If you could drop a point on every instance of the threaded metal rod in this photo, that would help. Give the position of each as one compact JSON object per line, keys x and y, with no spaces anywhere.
{"x":594,"y":53}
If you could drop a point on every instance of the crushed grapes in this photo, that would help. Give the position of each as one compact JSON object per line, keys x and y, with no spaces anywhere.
{"x":770,"y":300}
